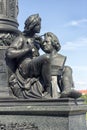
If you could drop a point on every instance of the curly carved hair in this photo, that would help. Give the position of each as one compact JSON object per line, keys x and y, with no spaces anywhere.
{"x":54,"y":40}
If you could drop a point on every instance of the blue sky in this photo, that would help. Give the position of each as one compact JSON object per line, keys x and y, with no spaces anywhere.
{"x":68,"y":20}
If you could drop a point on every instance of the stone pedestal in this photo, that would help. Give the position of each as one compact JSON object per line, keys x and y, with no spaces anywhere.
{"x":5,"y":73}
{"x":60,"y":114}
{"x":8,"y":32}
{"x":4,"y":92}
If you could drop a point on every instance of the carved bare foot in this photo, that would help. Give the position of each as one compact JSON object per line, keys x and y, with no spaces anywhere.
{"x":70,"y":94}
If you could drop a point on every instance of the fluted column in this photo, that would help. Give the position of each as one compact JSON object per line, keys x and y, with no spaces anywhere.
{"x":8,"y":15}
{"x":8,"y":32}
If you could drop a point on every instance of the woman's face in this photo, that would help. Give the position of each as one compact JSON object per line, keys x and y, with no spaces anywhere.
{"x":37,"y":27}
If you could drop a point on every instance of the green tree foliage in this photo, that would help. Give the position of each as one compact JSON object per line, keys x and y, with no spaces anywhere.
{"x":85,"y":98}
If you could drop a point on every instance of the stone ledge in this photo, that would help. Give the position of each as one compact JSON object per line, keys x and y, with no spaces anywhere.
{"x":46,"y":114}
{"x":43,"y":107}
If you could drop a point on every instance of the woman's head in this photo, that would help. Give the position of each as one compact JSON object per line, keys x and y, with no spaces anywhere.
{"x":33,"y":23}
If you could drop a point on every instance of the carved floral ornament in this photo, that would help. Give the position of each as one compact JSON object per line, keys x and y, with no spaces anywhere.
{"x":18,"y":126}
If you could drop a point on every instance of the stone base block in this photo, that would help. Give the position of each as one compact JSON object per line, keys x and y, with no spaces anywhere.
{"x":53,"y":114}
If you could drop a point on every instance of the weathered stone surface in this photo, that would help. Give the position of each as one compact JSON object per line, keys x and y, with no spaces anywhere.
{"x":3,"y":74}
{"x":8,"y":15}
{"x":60,"y":114}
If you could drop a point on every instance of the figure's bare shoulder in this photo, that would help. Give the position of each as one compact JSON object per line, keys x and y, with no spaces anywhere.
{"x":18,"y":42}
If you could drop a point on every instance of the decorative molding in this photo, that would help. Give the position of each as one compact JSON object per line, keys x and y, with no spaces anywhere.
{"x":18,"y":126}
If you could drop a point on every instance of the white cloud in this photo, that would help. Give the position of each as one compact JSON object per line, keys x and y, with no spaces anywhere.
{"x":80,"y":68}
{"x":80,"y":43}
{"x":80,"y":85}
{"x":76,"y":22}
{"x":80,"y":77}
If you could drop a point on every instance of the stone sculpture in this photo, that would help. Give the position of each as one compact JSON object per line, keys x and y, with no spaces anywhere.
{"x":63,"y":73}
{"x":28,"y":81}
{"x":31,"y":76}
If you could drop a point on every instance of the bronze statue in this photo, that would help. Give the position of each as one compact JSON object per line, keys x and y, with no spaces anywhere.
{"x":65,"y":82}
{"x":31,"y":77}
